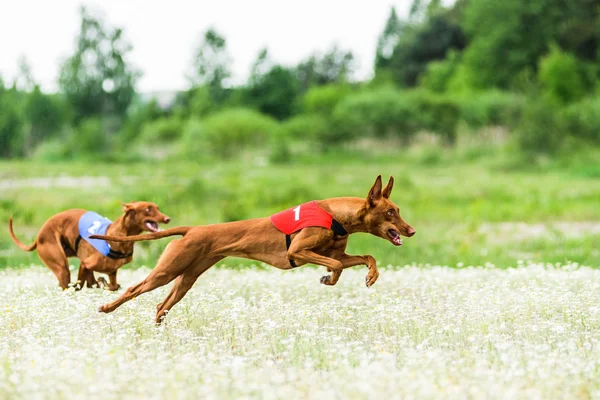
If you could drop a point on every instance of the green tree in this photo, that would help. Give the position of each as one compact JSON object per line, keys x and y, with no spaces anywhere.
{"x":561,"y":77}
{"x":24,"y":80}
{"x":11,"y":122}
{"x":387,"y":40}
{"x":509,"y":37}
{"x":212,"y":66}
{"x":335,"y":66}
{"x":260,"y":66}
{"x":272,"y":88}
{"x":422,"y":44}
{"x":45,"y":115}
{"x":96,"y":79}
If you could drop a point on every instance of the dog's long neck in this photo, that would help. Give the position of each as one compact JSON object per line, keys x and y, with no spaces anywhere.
{"x":347,"y":211}
{"x":123,"y":226}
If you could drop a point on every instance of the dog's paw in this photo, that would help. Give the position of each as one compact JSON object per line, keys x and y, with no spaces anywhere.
{"x":103,"y":309}
{"x":325,"y":279}
{"x":371,"y":277}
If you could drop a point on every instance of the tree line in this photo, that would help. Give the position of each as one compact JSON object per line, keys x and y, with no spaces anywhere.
{"x":529,"y":67}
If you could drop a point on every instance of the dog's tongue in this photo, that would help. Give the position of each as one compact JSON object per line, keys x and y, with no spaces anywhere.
{"x":397,"y":240}
{"x":152,"y":226}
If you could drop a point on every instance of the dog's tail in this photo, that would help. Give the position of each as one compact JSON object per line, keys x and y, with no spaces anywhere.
{"x":180,"y":230}
{"x":22,"y":245}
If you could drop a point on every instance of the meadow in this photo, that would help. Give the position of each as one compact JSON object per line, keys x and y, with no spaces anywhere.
{"x":494,"y":297}
{"x":465,"y":213}
{"x":528,"y":332}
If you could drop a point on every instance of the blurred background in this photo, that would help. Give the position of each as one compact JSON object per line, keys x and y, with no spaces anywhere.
{"x":486,"y":112}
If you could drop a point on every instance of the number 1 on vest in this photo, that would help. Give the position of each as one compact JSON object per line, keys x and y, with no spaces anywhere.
{"x":297,"y":213}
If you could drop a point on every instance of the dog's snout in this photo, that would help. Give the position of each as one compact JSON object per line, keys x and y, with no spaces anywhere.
{"x":411,"y":231}
{"x":167,"y":220}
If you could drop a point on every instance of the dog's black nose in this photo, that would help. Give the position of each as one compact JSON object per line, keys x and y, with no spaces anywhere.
{"x":411,"y":231}
{"x":167,"y":220}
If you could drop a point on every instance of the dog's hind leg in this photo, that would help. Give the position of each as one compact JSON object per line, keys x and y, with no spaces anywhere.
{"x":52,"y":254}
{"x":183,"y":283}
{"x":173,"y":262}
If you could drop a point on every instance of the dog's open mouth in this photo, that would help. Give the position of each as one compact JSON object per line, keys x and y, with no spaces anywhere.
{"x":395,"y":236}
{"x":151,"y":226}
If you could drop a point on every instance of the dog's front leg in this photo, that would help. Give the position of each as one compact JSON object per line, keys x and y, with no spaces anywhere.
{"x":307,"y":256}
{"x":310,"y":238}
{"x":351,"y":261}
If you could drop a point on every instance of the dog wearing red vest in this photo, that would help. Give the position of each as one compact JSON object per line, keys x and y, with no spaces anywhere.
{"x":315,"y":232}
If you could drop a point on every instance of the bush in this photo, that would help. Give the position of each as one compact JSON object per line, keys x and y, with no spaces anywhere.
{"x":561,"y":76}
{"x":51,"y":150}
{"x":438,"y":74}
{"x":89,"y":139}
{"x":542,"y":128}
{"x":323,"y":99}
{"x":583,"y":119}
{"x":229,"y":132}
{"x":492,"y":107}
{"x":163,"y":130}
{"x":312,"y":127}
{"x":392,"y":113}
{"x":436,"y":113}
{"x":379,"y":113}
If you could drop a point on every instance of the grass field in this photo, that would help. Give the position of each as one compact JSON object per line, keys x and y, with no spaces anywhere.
{"x":437,"y":332}
{"x":464,"y":213}
{"x":447,"y":318}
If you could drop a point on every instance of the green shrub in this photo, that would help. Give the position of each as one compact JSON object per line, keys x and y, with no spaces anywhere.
{"x":303,"y":127}
{"x":438,"y":74}
{"x":51,"y":150}
{"x":229,"y":132}
{"x":379,"y":113}
{"x":323,"y":99}
{"x":163,"y":130}
{"x":493,"y":107}
{"x":542,"y":128}
{"x":89,"y":140}
{"x":561,"y":76}
{"x":583,"y":119}
{"x":436,"y":113}
{"x":389,"y":112}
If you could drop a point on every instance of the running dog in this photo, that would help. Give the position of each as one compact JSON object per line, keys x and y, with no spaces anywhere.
{"x":315,"y":232}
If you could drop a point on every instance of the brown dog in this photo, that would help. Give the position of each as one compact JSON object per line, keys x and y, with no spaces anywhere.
{"x":258,"y":239}
{"x":60,"y":237}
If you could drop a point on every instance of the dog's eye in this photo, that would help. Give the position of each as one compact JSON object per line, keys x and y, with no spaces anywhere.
{"x":390,"y":213}
{"x":148,"y":209}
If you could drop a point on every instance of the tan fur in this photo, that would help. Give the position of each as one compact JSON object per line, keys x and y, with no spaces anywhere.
{"x":56,"y":241}
{"x":257,"y":239}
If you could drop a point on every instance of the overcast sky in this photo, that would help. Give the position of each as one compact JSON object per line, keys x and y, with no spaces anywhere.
{"x":164,"y":33}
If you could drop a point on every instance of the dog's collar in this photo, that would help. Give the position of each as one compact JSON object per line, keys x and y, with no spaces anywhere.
{"x":337,"y":228}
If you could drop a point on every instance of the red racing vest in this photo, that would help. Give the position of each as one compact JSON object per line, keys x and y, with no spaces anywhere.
{"x":304,"y":216}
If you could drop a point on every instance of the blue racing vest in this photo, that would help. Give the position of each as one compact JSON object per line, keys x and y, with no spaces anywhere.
{"x":92,"y":223}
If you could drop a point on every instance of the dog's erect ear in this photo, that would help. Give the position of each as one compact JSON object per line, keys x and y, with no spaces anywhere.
{"x":375,"y":192}
{"x":387,"y":190}
{"x":127,"y":207}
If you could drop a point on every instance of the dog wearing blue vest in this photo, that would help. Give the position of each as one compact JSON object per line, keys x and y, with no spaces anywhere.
{"x":67,"y":234}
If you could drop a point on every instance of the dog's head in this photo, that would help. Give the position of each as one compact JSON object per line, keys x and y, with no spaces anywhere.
{"x":144,"y":215}
{"x":382,"y":216}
